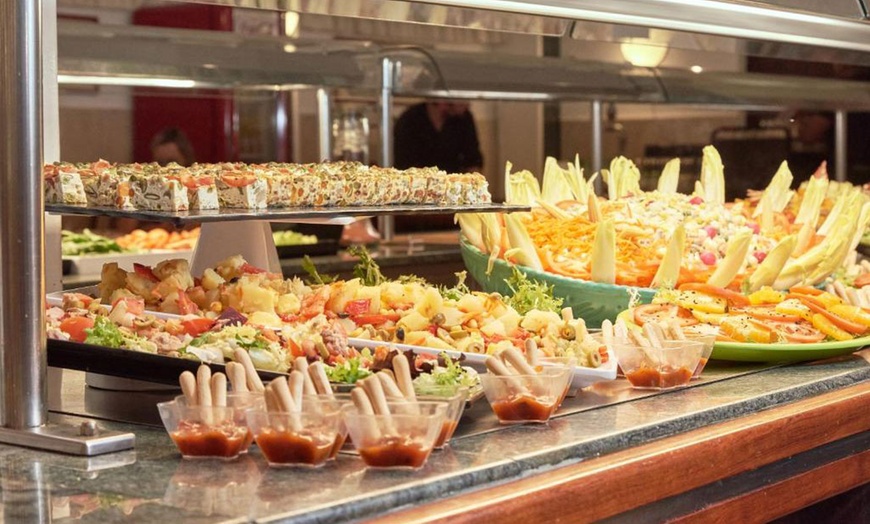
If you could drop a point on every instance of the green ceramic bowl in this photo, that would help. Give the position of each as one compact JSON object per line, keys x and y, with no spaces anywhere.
{"x":590,"y":301}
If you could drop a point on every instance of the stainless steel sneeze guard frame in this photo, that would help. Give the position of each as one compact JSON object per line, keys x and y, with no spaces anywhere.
{"x":797,"y":22}
{"x":22,"y":286}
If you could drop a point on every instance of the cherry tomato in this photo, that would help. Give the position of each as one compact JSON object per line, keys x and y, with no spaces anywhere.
{"x":658,"y":312}
{"x":75,"y":327}
{"x":358,"y":307}
{"x":708,"y":258}
{"x":196,"y":326}
{"x":734,"y":298}
{"x":145,"y":271}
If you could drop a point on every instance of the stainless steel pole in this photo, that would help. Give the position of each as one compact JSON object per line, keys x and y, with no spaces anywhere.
{"x":22,"y":273}
{"x":324,"y":123}
{"x":841,"y":137}
{"x":22,"y":322}
{"x":597,"y":130}
{"x":386,"y":224}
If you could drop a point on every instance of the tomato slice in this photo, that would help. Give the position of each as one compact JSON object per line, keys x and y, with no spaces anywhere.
{"x":797,"y":332}
{"x":862,"y":280}
{"x":238,"y":180}
{"x":838,"y":321}
{"x":185,"y":305}
{"x":733,"y":297}
{"x":197,"y":326}
{"x":768,"y":313}
{"x":75,"y":327}
{"x":658,"y":312}
{"x":375,"y":319}
{"x":248,"y":269}
{"x":145,"y":271}
{"x":133,"y":305}
{"x":358,"y":307}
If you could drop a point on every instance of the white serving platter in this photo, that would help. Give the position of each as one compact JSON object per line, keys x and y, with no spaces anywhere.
{"x":93,"y":264}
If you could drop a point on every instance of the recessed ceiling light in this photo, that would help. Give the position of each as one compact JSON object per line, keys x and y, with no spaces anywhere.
{"x":696,"y":69}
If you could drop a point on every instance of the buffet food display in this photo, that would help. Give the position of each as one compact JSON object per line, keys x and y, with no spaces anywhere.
{"x":390,"y":364}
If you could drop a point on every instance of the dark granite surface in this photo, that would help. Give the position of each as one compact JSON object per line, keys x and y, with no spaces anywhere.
{"x":152,"y":483}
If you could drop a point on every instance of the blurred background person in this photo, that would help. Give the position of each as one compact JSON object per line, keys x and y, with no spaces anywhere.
{"x":439,"y":134}
{"x":172,"y":145}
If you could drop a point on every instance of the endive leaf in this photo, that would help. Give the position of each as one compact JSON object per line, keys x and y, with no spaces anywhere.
{"x":604,"y":253}
{"x":778,"y":192}
{"x":471,"y":227}
{"x":735,"y":256}
{"x":861,"y":226}
{"x":556,"y":187}
{"x":670,"y":177}
{"x":669,"y":270}
{"x":814,"y":196}
{"x":713,"y":176}
{"x":594,"y":209}
{"x":766,"y":272}
{"x":519,"y":239}
{"x":835,"y":213}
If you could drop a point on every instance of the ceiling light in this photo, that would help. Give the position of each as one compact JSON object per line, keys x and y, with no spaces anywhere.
{"x":696,"y":69}
{"x":124,"y":81}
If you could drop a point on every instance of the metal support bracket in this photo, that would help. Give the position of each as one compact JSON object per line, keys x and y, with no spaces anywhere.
{"x":386,"y":223}
{"x":85,"y":440}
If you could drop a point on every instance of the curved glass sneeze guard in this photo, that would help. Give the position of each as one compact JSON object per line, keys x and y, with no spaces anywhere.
{"x":159,"y":57}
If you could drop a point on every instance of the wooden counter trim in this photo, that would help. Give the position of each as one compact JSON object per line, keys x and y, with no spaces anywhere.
{"x":789,"y":495}
{"x":624,"y":480}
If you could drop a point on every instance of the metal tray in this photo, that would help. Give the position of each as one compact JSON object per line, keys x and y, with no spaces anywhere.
{"x":182,"y":218}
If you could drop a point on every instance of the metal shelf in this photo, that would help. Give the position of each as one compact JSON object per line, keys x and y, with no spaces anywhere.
{"x":182,"y":218}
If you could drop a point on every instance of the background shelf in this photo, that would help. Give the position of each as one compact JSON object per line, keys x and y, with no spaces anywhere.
{"x":182,"y":218}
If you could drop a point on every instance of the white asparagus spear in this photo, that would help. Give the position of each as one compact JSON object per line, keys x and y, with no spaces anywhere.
{"x":301,"y":364}
{"x":297,"y":387}
{"x":513,"y":357}
{"x":607,"y":332}
{"x":853,"y":297}
{"x":391,"y":389}
{"x":497,"y":367}
{"x":841,"y":290}
{"x":188,"y":386}
{"x":285,"y":396}
{"x":675,"y":330}
{"x":236,"y":375}
{"x":402,"y":370}
{"x":273,"y":403}
{"x":364,"y":407}
{"x":567,"y":314}
{"x":254,"y":382}
{"x":203,"y":385}
{"x":655,"y":338}
{"x":372,"y":386}
{"x":219,"y":390}
{"x":320,"y":380}
{"x":532,"y":353}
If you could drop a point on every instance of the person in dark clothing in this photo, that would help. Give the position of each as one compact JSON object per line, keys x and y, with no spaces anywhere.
{"x":438,"y":134}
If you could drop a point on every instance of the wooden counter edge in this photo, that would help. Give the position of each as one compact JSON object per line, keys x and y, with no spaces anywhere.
{"x":602,"y":487}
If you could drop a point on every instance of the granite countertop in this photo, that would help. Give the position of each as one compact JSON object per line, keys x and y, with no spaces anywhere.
{"x":152,"y":483}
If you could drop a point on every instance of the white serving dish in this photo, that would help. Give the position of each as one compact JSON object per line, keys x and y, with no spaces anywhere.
{"x":93,"y":264}
{"x":583,"y":376}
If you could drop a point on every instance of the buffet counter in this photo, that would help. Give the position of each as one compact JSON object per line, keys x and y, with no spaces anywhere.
{"x":775,"y":440}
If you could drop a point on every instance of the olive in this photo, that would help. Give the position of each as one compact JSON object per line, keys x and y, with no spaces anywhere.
{"x":459,"y":334}
{"x":321,"y":347}
{"x":400,"y":334}
{"x":594,"y":359}
{"x":568,"y":332}
{"x":343,"y":315}
{"x":438,"y":319}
